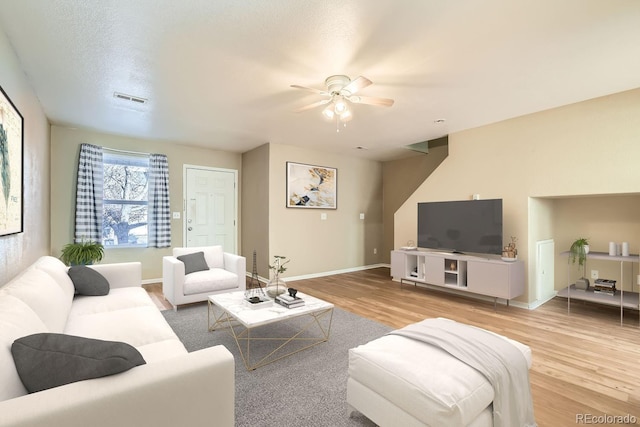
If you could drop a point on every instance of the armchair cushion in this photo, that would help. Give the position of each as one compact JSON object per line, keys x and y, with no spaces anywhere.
{"x":212,"y":280}
{"x":193,"y":262}
{"x":46,"y":360}
{"x":88,"y":281}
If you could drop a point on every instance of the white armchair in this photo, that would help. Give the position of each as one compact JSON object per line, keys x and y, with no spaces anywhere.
{"x":201,"y":271}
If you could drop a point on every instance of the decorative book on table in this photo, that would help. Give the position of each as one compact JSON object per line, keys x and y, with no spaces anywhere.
{"x":289,"y":301}
{"x":605,"y":286}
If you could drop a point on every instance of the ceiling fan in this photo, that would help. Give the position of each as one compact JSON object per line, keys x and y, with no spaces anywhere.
{"x":341,"y":90}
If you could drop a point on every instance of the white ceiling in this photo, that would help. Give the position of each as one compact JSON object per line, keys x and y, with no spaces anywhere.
{"x":218,"y":73}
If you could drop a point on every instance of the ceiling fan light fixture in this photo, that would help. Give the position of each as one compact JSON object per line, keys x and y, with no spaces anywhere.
{"x":328,"y":112}
{"x":340,"y":106}
{"x":346,"y":116}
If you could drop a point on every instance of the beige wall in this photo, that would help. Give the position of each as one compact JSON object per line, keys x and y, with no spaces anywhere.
{"x":400,"y":179}
{"x":602,"y":220}
{"x":589,"y":148}
{"x":65,"y":148}
{"x":17,"y":251}
{"x":343,"y":240}
{"x":255,"y":212}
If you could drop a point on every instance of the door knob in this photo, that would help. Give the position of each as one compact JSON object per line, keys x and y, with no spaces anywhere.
{"x":190,"y":228}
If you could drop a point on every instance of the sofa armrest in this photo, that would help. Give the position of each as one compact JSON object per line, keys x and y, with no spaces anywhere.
{"x":121,"y":274}
{"x":172,"y":279}
{"x":192,"y":389}
{"x":237,"y":264}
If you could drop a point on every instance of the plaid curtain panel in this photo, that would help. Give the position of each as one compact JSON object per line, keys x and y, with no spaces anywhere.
{"x":89,"y":194}
{"x":159,"y":211}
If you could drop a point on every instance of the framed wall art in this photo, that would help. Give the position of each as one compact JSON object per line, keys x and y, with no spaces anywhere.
{"x":11,"y":166}
{"x":311,"y":187}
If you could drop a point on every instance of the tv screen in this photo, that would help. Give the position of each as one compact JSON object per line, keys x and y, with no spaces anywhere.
{"x":461,"y":226}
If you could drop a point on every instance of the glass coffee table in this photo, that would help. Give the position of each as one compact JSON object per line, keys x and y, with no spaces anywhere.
{"x":272,"y":332}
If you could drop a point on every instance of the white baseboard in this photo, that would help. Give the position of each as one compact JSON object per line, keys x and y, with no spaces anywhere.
{"x":324,"y":273}
{"x":302,"y":277}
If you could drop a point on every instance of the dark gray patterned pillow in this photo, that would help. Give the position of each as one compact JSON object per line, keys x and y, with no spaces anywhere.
{"x":194,"y":262}
{"x":87,"y":281}
{"x":47,"y":360}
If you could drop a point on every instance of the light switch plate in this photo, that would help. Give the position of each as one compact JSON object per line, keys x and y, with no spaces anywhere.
{"x":176,"y":215}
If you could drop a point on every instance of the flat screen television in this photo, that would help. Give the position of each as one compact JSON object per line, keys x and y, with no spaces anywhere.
{"x":461,"y":226}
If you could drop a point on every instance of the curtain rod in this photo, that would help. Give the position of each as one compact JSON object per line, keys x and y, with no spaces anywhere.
{"x":126,"y":151}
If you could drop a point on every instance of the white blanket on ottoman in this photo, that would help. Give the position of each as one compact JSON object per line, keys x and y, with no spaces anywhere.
{"x":499,"y":361}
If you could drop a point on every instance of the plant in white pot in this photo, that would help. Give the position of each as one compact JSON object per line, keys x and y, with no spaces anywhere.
{"x":578,"y":252}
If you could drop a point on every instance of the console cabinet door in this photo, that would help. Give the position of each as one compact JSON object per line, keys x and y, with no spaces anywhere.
{"x":496,"y":279}
{"x":398,"y":268}
{"x":488,"y":278}
{"x":434,"y":270}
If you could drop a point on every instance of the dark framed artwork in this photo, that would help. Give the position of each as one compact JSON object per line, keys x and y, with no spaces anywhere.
{"x":11,"y":166}
{"x":311,"y":187}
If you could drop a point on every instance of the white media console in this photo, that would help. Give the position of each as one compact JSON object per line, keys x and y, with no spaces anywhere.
{"x":468,"y":273}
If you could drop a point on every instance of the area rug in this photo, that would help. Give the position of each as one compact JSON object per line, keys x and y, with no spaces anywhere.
{"x":305,"y":389}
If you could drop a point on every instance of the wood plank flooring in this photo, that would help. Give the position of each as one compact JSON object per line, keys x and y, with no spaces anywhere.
{"x":583,"y":363}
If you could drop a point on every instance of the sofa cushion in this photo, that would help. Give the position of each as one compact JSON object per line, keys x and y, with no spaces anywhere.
{"x":118,"y":299}
{"x":87,"y":281}
{"x":38,"y":290}
{"x":215,"y":279}
{"x":17,"y":320}
{"x":193,"y":262}
{"x":58,"y":271}
{"x":48,"y":360}
{"x":137,"y":326}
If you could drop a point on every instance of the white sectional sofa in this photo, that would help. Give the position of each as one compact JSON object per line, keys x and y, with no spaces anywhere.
{"x":174,"y":387}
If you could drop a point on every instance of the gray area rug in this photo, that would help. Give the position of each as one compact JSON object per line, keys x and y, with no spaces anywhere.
{"x":305,"y":389}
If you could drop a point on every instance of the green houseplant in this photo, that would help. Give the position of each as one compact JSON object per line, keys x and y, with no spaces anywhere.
{"x":579,"y":250}
{"x":82,"y":253}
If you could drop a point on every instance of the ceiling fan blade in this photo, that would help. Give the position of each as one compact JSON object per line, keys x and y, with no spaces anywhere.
{"x":359,"y":83}
{"x":318,"y":91}
{"x":310,"y":106}
{"x":382,"y":102}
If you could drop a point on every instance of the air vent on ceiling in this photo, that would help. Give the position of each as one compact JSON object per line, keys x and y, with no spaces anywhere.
{"x":130,"y":98}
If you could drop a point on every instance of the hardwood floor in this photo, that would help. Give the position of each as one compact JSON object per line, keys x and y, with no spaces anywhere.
{"x":583,"y":363}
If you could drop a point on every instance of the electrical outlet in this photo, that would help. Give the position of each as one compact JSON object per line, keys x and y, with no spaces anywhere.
{"x":638,"y":279}
{"x":375,"y":251}
{"x":594,"y":274}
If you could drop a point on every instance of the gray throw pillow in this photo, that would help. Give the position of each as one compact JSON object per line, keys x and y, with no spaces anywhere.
{"x":47,"y":360}
{"x":194,"y":262}
{"x":87,"y":281}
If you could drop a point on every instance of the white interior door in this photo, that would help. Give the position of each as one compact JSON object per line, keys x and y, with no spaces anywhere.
{"x":545,"y":269}
{"x":210,"y":216}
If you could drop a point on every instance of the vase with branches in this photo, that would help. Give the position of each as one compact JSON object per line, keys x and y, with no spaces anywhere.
{"x":277,"y":286}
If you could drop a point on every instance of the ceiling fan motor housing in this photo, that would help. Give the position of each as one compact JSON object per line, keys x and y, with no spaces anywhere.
{"x":336,"y":83}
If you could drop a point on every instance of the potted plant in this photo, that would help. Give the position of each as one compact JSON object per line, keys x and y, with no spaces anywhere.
{"x":579,"y":250}
{"x":82,"y":253}
{"x":277,"y":286}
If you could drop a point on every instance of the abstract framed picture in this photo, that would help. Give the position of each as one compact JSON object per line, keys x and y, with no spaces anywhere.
{"x":311,"y":187}
{"x":11,"y":166}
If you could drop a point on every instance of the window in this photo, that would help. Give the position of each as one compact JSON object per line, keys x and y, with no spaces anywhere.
{"x":125,"y":199}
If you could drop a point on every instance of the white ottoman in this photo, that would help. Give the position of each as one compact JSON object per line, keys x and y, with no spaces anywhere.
{"x":395,"y":380}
